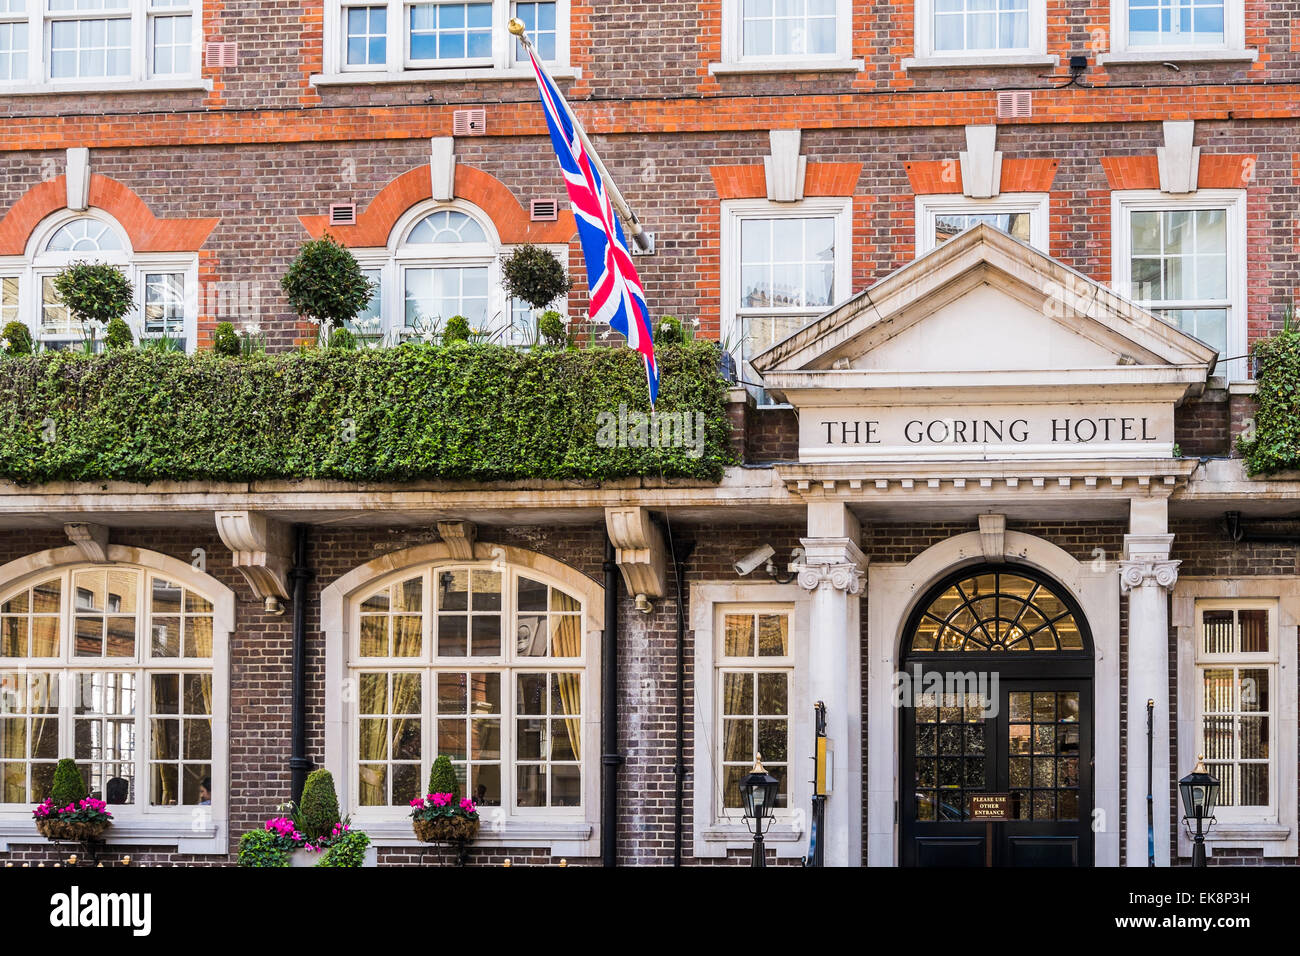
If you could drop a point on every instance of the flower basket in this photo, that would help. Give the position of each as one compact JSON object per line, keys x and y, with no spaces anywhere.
{"x":69,"y":831}
{"x":446,"y":830}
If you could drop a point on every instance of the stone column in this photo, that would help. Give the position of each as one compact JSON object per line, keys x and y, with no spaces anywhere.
{"x":1147,"y":576}
{"x":833,"y":569}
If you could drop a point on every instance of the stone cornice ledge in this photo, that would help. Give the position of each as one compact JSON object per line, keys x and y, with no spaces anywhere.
{"x":182,"y":835}
{"x":560,"y":837}
{"x":1115,"y":477}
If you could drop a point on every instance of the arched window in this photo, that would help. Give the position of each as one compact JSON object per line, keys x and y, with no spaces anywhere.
{"x":166,"y":284}
{"x":443,"y":260}
{"x":485,"y":662}
{"x":997,"y":611}
{"x":113,"y":666}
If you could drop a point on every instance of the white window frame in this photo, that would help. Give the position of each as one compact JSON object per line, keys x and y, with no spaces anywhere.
{"x":735,"y":61}
{"x":929,"y":207}
{"x":398,"y":256}
{"x":192,"y":829}
{"x":565,"y":831}
{"x":38,"y":80}
{"x":1264,"y":661}
{"x":32,"y":267}
{"x":1273,"y":829}
{"x":1125,"y":202}
{"x":926,"y":56}
{"x":503,"y":64}
{"x":716,"y":832}
{"x":1233,"y":47}
{"x":734,"y":212}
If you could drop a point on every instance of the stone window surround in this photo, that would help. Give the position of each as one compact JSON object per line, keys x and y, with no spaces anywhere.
{"x":1037,"y":205}
{"x":714,"y":836}
{"x":187,"y":833}
{"x":505,"y":66}
{"x":38,"y":81}
{"x":1276,"y":838}
{"x":570,"y":837}
{"x":734,"y":61}
{"x":1233,"y":50}
{"x":926,"y":57}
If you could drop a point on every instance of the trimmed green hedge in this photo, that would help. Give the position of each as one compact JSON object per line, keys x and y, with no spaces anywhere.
{"x":1274,"y":444}
{"x":417,"y":412}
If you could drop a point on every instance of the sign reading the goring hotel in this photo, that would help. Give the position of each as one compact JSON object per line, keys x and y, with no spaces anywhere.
{"x":960,"y":432}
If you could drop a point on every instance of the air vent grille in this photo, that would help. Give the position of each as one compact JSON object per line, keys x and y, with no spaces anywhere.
{"x":469,"y":123}
{"x":343,"y":214}
{"x":1015,"y":104}
{"x":222,"y":54}
{"x":544,"y":210}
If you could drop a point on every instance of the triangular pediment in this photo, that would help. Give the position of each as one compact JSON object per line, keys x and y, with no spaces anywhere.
{"x":986,"y":348}
{"x":983,"y":304}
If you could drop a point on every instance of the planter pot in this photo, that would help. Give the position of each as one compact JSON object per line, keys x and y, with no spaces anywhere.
{"x":70,"y":832}
{"x":445,"y":830}
{"x":306,"y":858}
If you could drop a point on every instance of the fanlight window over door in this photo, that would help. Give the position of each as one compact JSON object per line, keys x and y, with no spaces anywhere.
{"x":994,"y":612}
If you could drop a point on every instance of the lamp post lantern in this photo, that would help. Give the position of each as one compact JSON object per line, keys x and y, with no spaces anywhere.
{"x":1200,"y":792}
{"x":759,"y":790}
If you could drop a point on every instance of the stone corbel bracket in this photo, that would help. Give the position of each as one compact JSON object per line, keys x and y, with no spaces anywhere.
{"x":92,"y":539}
{"x":638,"y":550}
{"x":459,"y":536}
{"x":262,"y":549}
{"x":993,"y":536}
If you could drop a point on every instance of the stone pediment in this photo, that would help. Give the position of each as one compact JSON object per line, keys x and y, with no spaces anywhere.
{"x":1018,"y":354}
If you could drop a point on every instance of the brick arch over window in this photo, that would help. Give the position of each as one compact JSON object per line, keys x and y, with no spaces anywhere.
{"x":146,"y":231}
{"x":472,"y":185}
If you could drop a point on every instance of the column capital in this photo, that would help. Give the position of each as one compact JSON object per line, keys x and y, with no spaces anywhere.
{"x":831,"y":562}
{"x":1140,"y":574}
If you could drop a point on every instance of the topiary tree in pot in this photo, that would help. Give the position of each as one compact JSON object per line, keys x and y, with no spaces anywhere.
{"x":318,"y":810}
{"x":325,"y":284}
{"x":442,"y":815}
{"x":95,"y":294}
{"x":535,"y":276}
{"x":118,"y":336}
{"x":68,"y":813}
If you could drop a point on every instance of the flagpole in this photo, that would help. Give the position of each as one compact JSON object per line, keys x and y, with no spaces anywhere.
{"x":639,"y":235}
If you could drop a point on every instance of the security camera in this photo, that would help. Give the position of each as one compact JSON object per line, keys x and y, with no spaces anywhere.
{"x":754,"y":559}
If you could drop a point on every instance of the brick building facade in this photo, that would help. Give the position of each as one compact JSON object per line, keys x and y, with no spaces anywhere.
{"x":816,"y":204}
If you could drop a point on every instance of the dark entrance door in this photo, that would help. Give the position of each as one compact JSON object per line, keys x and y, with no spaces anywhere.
{"x":997,"y":699}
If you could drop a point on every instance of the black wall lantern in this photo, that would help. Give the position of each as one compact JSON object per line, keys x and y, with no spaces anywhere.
{"x":759,"y":790}
{"x":1200,"y":792}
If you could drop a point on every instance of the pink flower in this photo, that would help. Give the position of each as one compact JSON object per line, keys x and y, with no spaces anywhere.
{"x":467,"y":805}
{"x":418,"y":802}
{"x":440,"y":799}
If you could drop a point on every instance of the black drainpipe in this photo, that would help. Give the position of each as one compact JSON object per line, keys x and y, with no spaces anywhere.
{"x":679,"y":766}
{"x":610,"y":758}
{"x":299,"y":575}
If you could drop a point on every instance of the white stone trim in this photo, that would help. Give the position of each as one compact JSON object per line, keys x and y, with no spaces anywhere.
{"x":514,"y":74}
{"x":991,"y":61}
{"x":786,"y":66}
{"x":893,"y":591}
{"x":713,"y":837}
{"x":136,"y":828}
{"x":55,"y":88}
{"x":1148,"y":57}
{"x":1276,"y":837}
{"x":570,"y":836}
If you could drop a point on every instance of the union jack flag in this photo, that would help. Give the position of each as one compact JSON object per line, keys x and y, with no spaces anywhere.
{"x":616,"y":294}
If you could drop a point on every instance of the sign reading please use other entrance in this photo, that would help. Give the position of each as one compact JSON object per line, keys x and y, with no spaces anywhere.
{"x":939,"y":432}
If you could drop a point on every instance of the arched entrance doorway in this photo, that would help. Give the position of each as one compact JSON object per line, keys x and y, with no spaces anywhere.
{"x":996,"y":698}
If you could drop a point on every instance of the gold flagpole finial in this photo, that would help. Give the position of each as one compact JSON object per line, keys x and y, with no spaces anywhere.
{"x":1200,"y":765}
{"x":516,"y":26}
